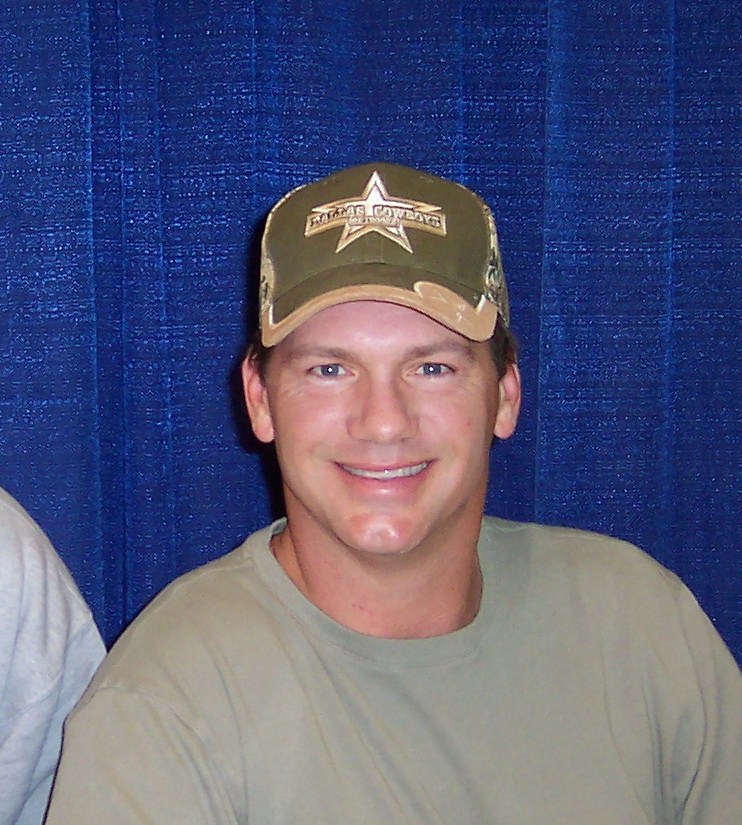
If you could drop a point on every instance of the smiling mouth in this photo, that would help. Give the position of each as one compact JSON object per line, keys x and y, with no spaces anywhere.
{"x":387,"y":474}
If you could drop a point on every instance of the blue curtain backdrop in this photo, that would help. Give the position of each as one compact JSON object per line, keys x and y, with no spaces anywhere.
{"x":142,"y":142}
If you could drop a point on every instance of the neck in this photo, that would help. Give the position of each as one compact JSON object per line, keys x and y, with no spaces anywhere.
{"x":421,"y":594}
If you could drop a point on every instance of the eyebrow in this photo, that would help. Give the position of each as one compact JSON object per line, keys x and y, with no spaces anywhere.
{"x":318,"y":351}
{"x":463,"y":347}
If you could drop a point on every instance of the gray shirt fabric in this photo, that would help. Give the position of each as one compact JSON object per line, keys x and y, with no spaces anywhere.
{"x":49,"y":650}
{"x":589,"y":689}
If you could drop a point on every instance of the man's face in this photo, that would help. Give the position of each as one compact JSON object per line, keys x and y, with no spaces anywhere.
{"x":382,"y":419}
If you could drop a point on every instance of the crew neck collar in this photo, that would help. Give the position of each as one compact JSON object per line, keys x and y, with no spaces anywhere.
{"x":426,"y":652}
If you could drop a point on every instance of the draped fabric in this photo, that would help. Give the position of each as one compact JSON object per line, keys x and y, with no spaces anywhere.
{"x":142,"y":143}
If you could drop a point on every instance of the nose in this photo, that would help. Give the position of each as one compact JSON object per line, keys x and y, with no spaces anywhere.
{"x":384,"y":411}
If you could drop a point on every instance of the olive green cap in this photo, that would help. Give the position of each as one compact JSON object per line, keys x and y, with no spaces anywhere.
{"x":382,"y":232}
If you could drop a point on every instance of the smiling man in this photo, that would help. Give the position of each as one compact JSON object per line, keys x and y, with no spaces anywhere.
{"x":386,"y":654}
{"x":383,"y":419}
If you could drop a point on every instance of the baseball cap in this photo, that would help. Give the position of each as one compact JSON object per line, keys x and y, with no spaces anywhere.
{"x":384,"y":232}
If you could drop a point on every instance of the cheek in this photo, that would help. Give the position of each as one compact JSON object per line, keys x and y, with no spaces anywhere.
{"x":473,"y":429}
{"x":466,"y":417}
{"x":302,"y":419}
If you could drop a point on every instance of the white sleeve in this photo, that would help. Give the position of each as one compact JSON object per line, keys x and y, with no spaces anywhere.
{"x":49,"y":651}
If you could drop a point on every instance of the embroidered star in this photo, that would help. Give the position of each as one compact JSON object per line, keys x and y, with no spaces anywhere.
{"x":375,"y":211}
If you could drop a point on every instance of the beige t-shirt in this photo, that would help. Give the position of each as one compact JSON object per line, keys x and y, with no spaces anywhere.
{"x":589,"y":690}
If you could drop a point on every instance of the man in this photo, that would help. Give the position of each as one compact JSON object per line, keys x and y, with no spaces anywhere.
{"x":49,"y":650}
{"x":385,"y":655}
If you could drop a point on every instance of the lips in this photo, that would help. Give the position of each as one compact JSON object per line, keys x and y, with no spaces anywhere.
{"x":387,"y":474}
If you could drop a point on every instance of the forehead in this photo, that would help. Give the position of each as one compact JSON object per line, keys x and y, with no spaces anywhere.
{"x":371,"y":323}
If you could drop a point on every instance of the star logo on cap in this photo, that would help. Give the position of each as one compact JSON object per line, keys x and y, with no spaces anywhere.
{"x":375,"y":211}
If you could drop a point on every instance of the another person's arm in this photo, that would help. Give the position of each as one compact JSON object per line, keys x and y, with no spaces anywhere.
{"x":49,"y":651}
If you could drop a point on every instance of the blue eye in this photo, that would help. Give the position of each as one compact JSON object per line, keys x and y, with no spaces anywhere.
{"x":434,"y":369}
{"x":328,"y":370}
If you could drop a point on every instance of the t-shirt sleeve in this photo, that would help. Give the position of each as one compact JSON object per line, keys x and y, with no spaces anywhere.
{"x":710,"y":768}
{"x":130,"y":760}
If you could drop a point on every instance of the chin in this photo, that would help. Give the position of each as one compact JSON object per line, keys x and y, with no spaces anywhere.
{"x":381,"y":537}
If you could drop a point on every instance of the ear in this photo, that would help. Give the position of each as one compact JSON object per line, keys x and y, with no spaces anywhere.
{"x":509,"y":402}
{"x":256,"y":400}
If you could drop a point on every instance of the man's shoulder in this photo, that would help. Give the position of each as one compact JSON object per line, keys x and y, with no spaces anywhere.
{"x":216,"y":633}
{"x":606,"y":588}
{"x":209,"y":591}
{"x":602,"y":570}
{"x":568,"y":545}
{"x":599,"y":590}
{"x":202,"y":616}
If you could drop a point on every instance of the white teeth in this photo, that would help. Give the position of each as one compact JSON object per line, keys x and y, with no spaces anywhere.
{"x":385,"y":475}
